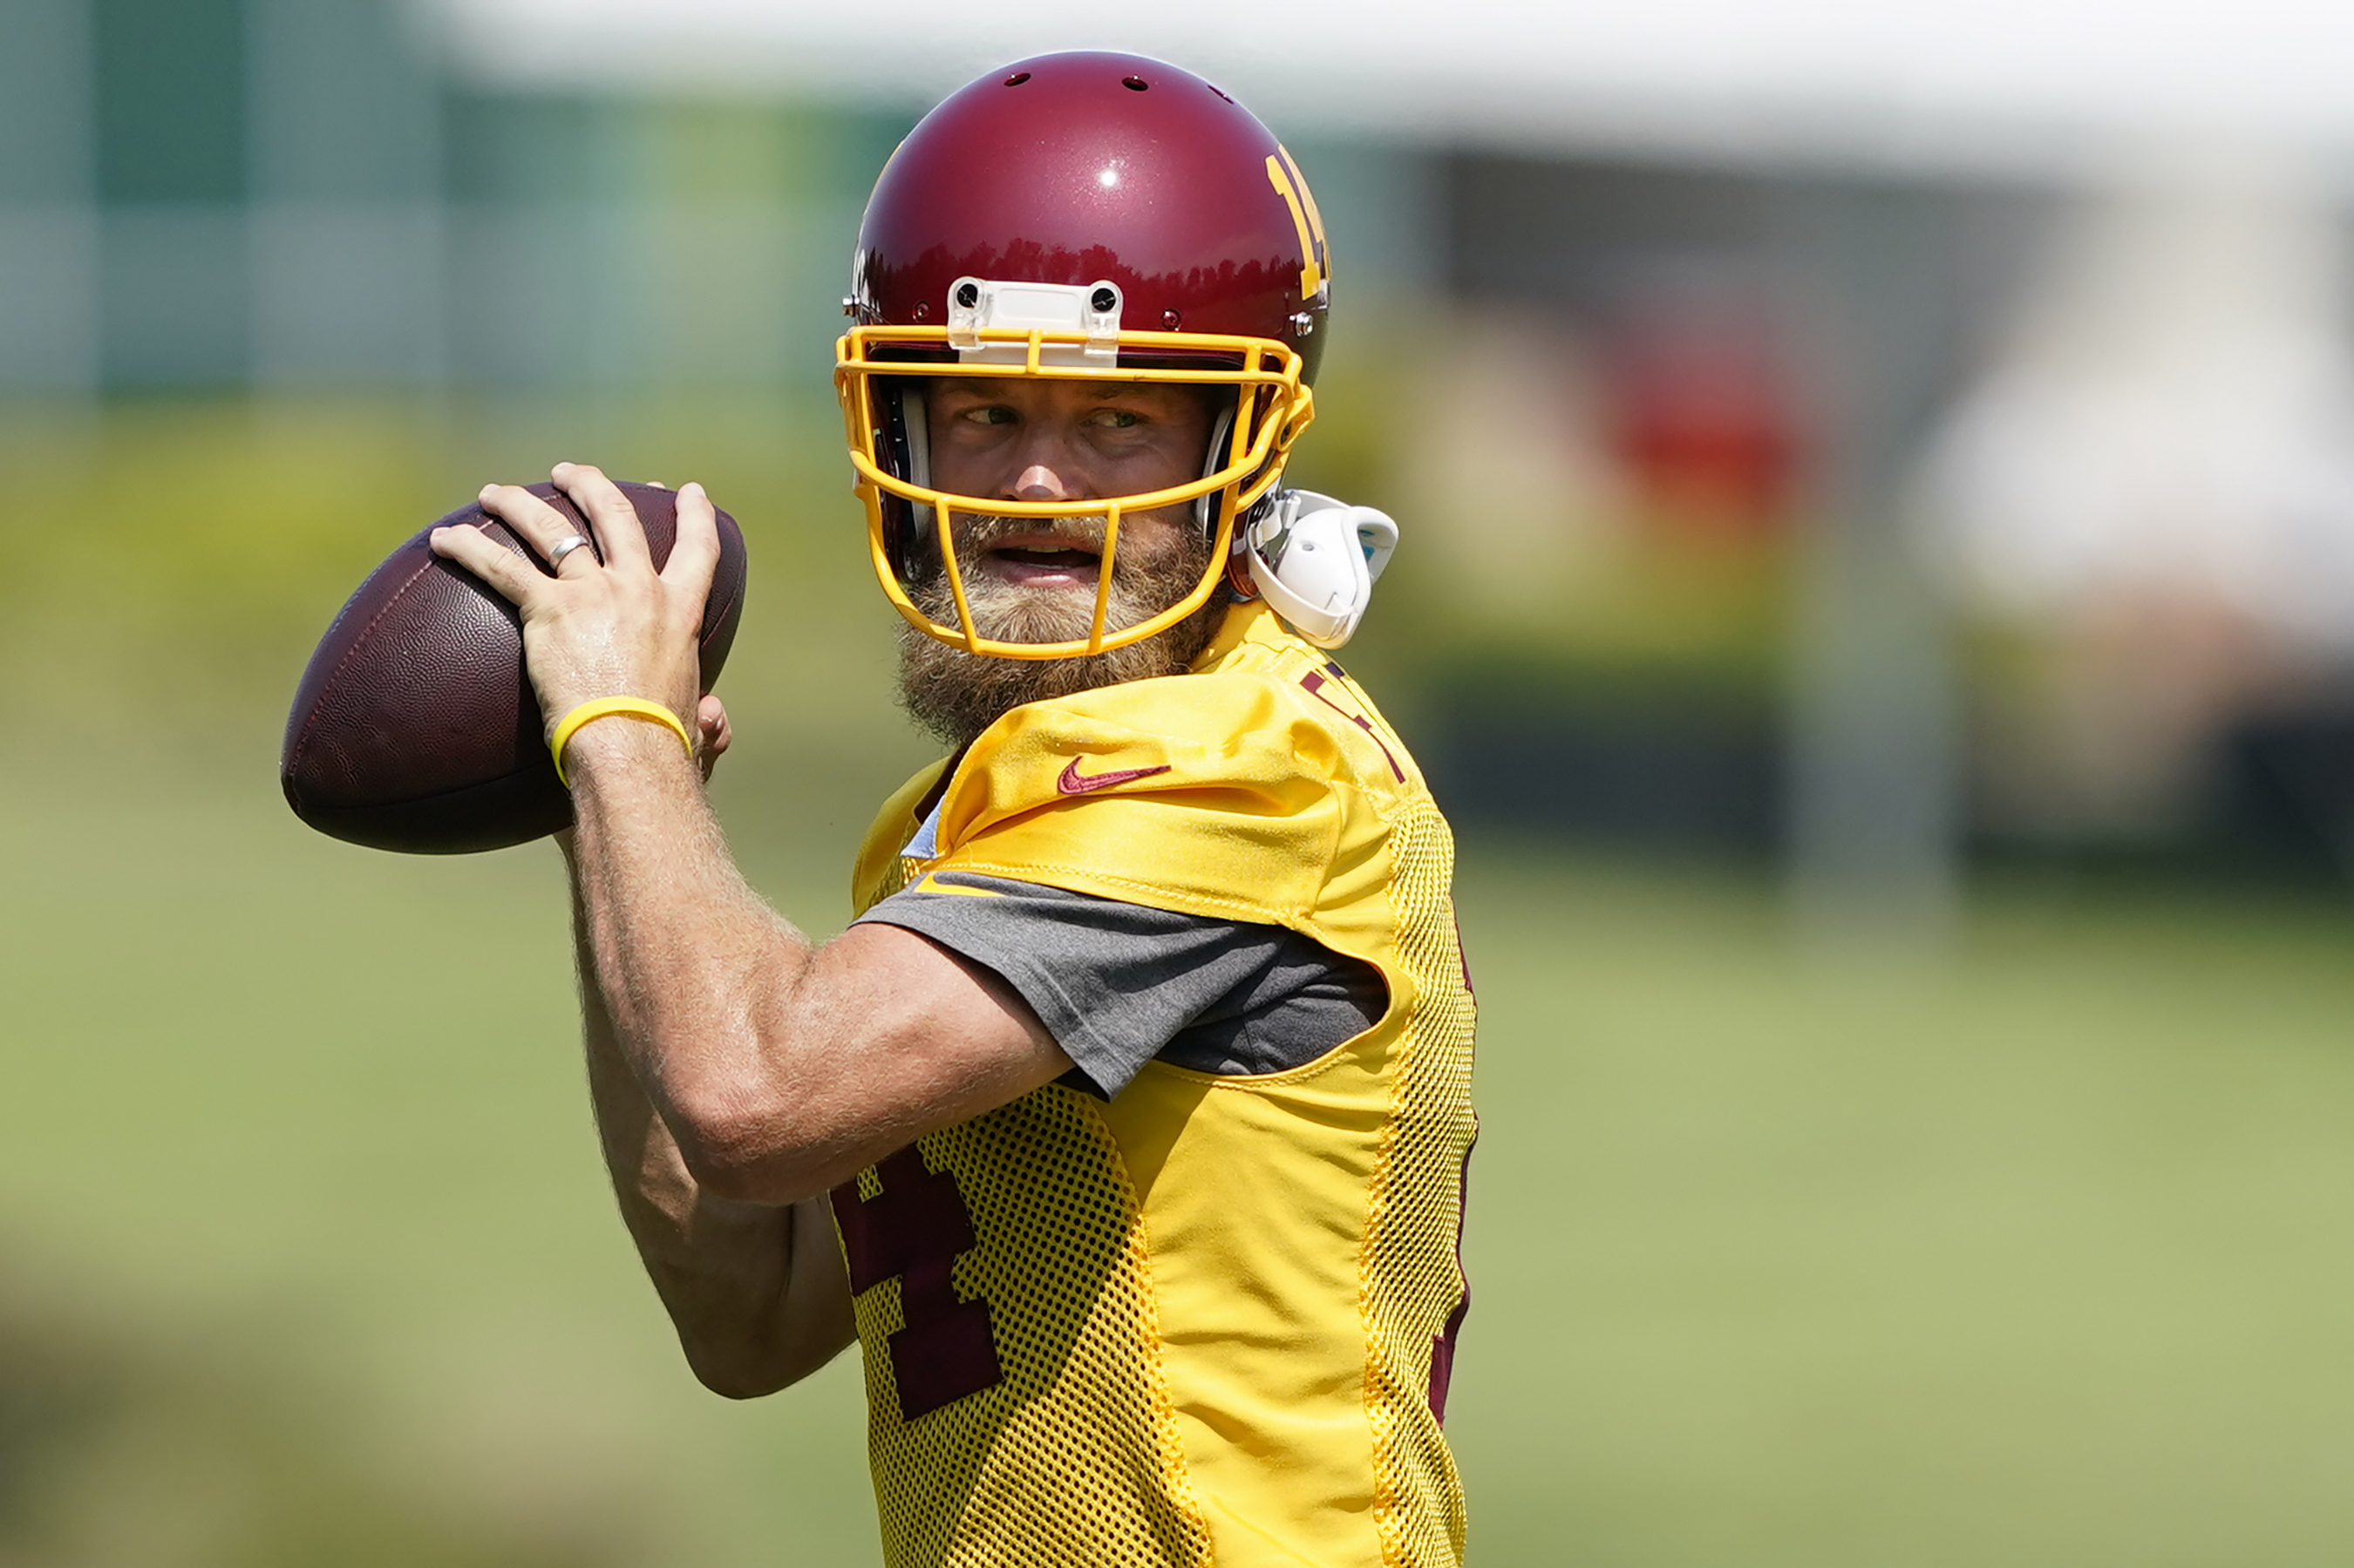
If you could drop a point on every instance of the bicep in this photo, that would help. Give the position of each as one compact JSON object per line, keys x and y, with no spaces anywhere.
{"x":914,"y":1037}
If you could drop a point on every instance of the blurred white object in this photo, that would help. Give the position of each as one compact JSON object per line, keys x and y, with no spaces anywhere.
{"x":2173,"y":419}
{"x":1315,"y":560}
{"x":1920,"y":83}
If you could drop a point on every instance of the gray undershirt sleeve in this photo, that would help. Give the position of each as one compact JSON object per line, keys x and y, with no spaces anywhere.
{"x":1120,"y":984}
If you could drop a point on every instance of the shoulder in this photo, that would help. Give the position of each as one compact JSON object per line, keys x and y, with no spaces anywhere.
{"x":1221,"y":727}
{"x":1232,"y":790}
{"x":1262,"y":710}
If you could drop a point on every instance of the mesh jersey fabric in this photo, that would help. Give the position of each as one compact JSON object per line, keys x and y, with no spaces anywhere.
{"x":1119,"y":984}
{"x":1213,"y":1319}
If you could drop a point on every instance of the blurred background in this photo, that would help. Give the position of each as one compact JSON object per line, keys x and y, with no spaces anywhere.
{"x":1877,"y":603}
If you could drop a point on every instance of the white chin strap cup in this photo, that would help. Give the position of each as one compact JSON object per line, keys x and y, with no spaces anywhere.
{"x":1315,"y":560}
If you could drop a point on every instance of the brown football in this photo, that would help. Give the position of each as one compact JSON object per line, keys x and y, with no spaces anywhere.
{"x":416,"y":728}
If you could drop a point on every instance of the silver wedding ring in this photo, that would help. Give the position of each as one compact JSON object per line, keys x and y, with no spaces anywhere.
{"x":563,"y":547}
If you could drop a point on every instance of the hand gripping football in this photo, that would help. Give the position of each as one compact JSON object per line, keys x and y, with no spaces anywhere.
{"x":416,"y":728}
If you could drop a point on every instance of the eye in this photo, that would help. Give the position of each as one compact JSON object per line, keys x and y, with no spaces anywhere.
{"x":988,"y":414}
{"x":1116,"y":419}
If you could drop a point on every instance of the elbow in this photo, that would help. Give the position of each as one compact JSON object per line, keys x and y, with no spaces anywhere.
{"x":752,"y":1363}
{"x":738,"y":1148}
{"x":738,"y":1380}
{"x":740,"y":1369}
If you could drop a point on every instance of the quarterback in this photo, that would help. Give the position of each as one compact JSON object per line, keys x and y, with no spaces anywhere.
{"x":1126,"y":1129}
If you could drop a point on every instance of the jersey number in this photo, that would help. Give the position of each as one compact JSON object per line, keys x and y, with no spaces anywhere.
{"x":912,"y":1231}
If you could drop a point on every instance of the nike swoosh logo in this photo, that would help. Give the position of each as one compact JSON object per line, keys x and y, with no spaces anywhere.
{"x":1074,"y":783}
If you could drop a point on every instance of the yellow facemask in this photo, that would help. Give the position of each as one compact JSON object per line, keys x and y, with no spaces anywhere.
{"x":1272,"y":407}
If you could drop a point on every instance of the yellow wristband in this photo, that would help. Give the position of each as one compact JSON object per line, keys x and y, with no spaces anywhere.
{"x":606,"y":707}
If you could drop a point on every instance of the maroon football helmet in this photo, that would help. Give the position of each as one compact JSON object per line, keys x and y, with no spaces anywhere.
{"x":1095,"y":218}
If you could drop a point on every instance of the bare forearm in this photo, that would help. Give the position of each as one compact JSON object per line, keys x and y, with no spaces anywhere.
{"x":770,"y":1071}
{"x":688,"y":962}
{"x":755,"y":1290}
{"x":779,"y":1069}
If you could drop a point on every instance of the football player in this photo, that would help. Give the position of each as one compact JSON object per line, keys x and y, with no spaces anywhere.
{"x":1126,"y":1129}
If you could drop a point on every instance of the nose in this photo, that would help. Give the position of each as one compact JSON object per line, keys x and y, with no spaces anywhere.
{"x":1039,"y":483}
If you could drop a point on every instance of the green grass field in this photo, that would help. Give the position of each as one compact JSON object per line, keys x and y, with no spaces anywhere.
{"x":2041,"y":1253}
{"x":2041,"y":1256}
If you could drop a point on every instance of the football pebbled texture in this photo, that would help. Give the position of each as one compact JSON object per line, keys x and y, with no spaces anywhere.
{"x":416,"y":727}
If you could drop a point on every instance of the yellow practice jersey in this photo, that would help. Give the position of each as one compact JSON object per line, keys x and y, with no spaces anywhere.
{"x":1211,"y":1319}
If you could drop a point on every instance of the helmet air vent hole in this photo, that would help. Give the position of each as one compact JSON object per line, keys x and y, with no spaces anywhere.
{"x":923,"y":312}
{"x":1168,"y":320}
{"x":968,"y":295}
{"x":1134,"y":83}
{"x":1017,"y":79}
{"x":1102,"y":299}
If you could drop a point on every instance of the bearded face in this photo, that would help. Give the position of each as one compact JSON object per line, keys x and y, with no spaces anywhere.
{"x":1033,"y":580}
{"x":956,"y":694}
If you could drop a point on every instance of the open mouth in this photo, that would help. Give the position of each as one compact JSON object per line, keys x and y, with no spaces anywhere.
{"x":1043,"y":563}
{"x":1050,"y":558}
